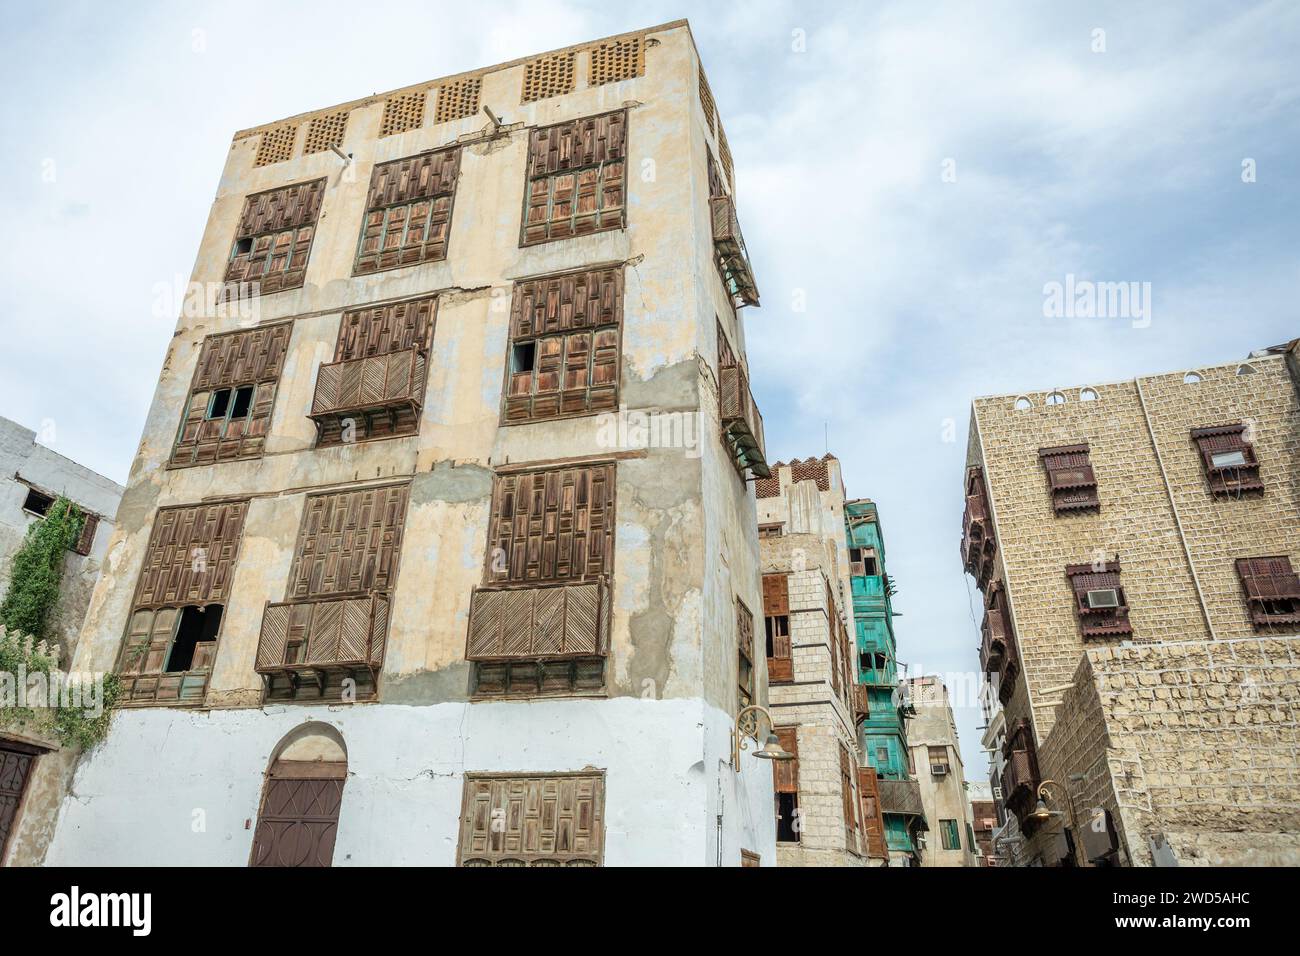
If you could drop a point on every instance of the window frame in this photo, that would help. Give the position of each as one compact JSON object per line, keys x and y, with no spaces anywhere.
{"x":1283,"y":588}
{"x":408,"y":170}
{"x":1228,"y":481}
{"x":1099,"y":622}
{"x":601,"y":186}
{"x":1071,"y":479}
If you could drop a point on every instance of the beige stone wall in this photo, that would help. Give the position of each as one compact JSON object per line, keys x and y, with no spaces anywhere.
{"x":1201,"y":742}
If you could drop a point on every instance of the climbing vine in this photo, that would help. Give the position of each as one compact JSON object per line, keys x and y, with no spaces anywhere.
{"x":34,"y":694}
{"x":38,"y":569}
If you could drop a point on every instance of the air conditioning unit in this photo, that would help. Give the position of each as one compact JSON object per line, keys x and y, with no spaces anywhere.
{"x":997,"y":793}
{"x":939,"y":770}
{"x":1103,"y":598}
{"x":1228,"y":459}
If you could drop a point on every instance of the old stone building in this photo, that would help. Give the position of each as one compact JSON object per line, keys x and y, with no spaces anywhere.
{"x":446,"y":553}
{"x":941,"y":775}
{"x":1137,"y":545}
{"x":827,"y":814}
{"x":883,"y":706}
{"x":32,"y":478}
{"x":984,"y":821}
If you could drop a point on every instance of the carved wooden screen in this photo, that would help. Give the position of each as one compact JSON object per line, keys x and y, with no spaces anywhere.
{"x":1231,"y":467}
{"x":576,"y":178}
{"x":399,"y":327}
{"x":1272,"y":591}
{"x":349,"y":542}
{"x":228,"y":413}
{"x":849,"y":800}
{"x":408,"y":211}
{"x":16,"y":761}
{"x":191,"y":555}
{"x":299,"y":817}
{"x":536,"y":820}
{"x":86,"y":539}
{"x":776,"y":618}
{"x":1070,"y":478}
{"x":565,"y":345}
{"x":1104,"y":615}
{"x":552,"y":525}
{"x":745,"y":654}
{"x":273,"y":239}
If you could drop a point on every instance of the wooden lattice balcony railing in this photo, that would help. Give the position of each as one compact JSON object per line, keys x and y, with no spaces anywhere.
{"x":392,"y":382}
{"x":978,"y":544}
{"x":742,"y":424}
{"x":861,"y":703}
{"x":534,"y":622}
{"x":730,"y":246}
{"x":317,"y":638}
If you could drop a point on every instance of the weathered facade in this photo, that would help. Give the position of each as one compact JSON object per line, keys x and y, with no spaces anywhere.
{"x":1137,"y":546}
{"x":941,"y":775}
{"x":448,"y":555}
{"x":828,"y":808}
{"x":883,"y":707}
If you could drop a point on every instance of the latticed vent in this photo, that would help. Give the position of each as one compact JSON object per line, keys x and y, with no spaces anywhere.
{"x":706,"y":101}
{"x":403,"y":112}
{"x":725,"y":151}
{"x":276,"y":145}
{"x":617,"y":60}
{"x":325,"y":131}
{"x":548,"y":76}
{"x":458,"y":99}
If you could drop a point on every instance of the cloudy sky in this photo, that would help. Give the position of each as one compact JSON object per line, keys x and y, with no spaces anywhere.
{"x":912,"y":173}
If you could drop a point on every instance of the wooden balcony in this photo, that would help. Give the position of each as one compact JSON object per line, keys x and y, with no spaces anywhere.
{"x":861,"y":705}
{"x":392,"y":383}
{"x":998,"y":654}
{"x":742,"y":425}
{"x":730,"y":246}
{"x":978,"y":545}
{"x":318,"y":643}
{"x":1020,"y":783}
{"x":545,"y":621}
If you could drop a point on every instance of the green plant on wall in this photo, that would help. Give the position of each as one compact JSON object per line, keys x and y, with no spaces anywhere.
{"x":34,"y":581}
{"x":38,"y":569}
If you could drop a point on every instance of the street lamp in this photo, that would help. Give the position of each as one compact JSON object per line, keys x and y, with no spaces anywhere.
{"x":1042,"y":814}
{"x":747,"y":727}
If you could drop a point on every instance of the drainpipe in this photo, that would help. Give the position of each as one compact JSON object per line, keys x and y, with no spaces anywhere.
{"x":1178,"y":521}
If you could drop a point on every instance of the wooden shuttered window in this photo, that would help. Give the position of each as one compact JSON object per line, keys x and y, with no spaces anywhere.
{"x":533,"y":820}
{"x":540,"y":624}
{"x":349,"y":543}
{"x":785,"y":778}
{"x":745,"y":654}
{"x":299,"y":817}
{"x":1272,"y":590}
{"x":565,"y":346}
{"x":1099,"y":600}
{"x":228,"y":413}
{"x":374,"y":387}
{"x":408,"y":212}
{"x":776,"y":621}
{"x":1070,"y":478}
{"x":849,"y":799}
{"x":576,"y":178}
{"x":1231,"y":468}
{"x":873,"y":818}
{"x":552,"y":525}
{"x":273,"y":240}
{"x":188,"y":569}
{"x":86,"y":539}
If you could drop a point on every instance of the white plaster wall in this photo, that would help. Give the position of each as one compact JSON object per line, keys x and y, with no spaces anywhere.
{"x":135,"y":799}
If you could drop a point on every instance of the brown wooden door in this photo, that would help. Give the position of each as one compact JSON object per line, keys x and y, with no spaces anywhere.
{"x":299,"y":817}
{"x":15,"y":771}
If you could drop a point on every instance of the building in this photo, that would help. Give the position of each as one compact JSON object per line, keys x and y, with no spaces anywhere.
{"x":883,"y":705}
{"x":993,"y":737}
{"x":827,"y":813}
{"x":984,"y":821}
{"x":31,"y":478}
{"x":446,"y":553}
{"x":936,"y":755}
{"x":1137,"y":544}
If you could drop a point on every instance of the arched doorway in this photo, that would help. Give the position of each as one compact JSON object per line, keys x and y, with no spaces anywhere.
{"x":298,"y":818}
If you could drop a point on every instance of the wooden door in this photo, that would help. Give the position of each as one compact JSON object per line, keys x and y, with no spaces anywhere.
{"x":16,"y":762}
{"x":299,"y":818}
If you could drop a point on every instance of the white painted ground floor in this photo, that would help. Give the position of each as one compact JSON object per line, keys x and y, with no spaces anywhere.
{"x":185,"y":788}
